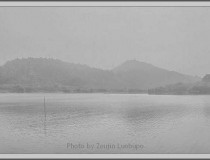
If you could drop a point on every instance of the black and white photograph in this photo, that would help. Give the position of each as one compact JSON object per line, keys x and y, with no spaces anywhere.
{"x":104,"y":79}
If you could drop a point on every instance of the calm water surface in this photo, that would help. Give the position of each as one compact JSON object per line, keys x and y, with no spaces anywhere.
{"x":154,"y":123}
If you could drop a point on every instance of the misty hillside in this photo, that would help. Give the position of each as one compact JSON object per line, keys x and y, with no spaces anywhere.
{"x":201,"y":87}
{"x":206,"y":78}
{"x":143,"y":75}
{"x":41,"y":74}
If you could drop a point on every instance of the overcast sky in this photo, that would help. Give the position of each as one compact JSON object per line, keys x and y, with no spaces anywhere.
{"x":174,"y":38}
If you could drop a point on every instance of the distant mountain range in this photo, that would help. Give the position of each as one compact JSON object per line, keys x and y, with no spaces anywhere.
{"x":53,"y":75}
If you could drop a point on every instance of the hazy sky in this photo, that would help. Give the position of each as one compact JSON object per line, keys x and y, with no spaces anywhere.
{"x":174,"y":38}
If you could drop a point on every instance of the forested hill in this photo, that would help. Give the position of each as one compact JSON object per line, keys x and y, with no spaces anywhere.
{"x":53,"y":75}
{"x":198,"y":88}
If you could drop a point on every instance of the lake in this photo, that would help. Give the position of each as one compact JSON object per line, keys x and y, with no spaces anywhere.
{"x":104,"y":123}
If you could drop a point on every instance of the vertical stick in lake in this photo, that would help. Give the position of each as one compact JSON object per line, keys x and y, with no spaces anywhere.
{"x":45,"y":117}
{"x":45,"y":114}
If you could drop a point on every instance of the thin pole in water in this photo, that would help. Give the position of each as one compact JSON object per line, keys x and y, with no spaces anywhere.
{"x":45,"y":117}
{"x":45,"y":114}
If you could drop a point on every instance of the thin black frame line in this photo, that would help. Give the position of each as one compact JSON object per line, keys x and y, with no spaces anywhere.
{"x":112,"y":6}
{"x":99,"y":154}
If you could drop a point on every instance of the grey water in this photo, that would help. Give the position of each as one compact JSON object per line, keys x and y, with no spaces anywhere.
{"x":110,"y":123}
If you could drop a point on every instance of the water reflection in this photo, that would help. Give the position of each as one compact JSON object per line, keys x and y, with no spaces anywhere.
{"x":150,"y":113}
{"x":104,"y":118}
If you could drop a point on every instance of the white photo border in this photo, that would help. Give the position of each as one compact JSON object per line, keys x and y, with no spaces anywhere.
{"x":104,"y":4}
